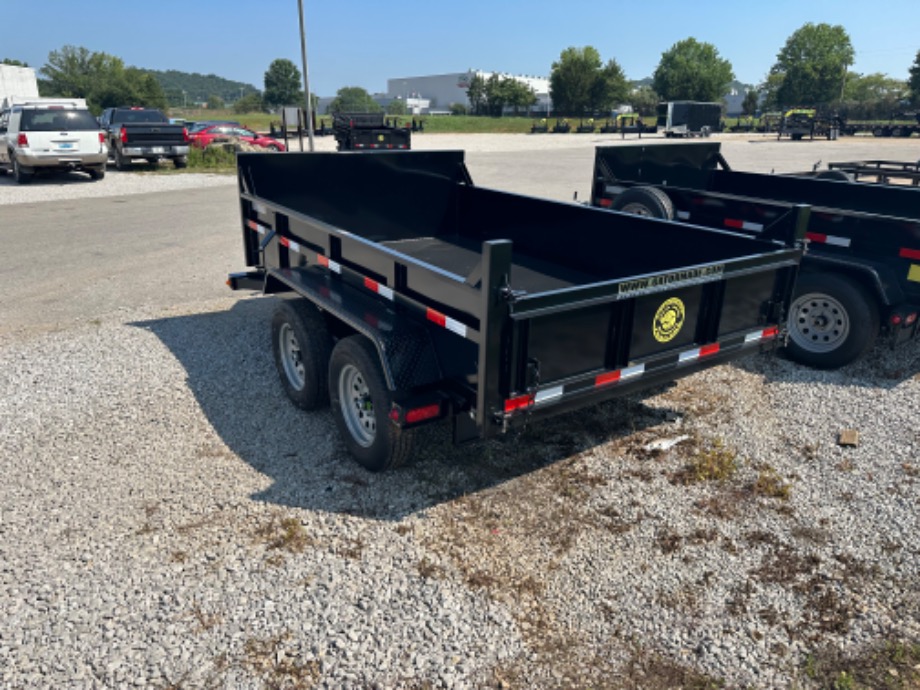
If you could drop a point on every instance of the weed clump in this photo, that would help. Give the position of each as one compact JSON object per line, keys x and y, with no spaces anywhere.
{"x":710,"y":461}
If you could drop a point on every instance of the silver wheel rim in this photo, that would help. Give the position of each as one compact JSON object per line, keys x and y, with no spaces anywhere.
{"x":357,"y":407}
{"x":291,"y":357}
{"x":637,"y":209}
{"x":819,"y":323}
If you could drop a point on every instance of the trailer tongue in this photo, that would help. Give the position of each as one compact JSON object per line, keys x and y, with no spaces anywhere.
{"x":413,"y":295}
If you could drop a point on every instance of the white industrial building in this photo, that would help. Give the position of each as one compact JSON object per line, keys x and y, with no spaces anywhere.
{"x":443,"y":90}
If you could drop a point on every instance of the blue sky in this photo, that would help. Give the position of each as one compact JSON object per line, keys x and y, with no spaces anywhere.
{"x":362,"y":43}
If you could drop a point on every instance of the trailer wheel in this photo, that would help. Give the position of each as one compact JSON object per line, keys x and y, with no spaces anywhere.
{"x":838,"y":175}
{"x":361,"y":403}
{"x":302,"y":346}
{"x":832,"y":321}
{"x":650,"y":202}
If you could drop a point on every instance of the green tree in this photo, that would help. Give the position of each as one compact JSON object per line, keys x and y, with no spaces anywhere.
{"x":282,"y":84}
{"x":476,"y":94}
{"x":397,"y":107}
{"x":102,"y":79}
{"x":749,"y":104}
{"x":644,"y":100}
{"x":913,"y":83}
{"x":458,"y":109}
{"x":812,"y":65}
{"x":692,"y":71}
{"x":580,"y":84}
{"x":215,"y":102}
{"x":13,"y":63}
{"x":353,"y":99}
{"x":250,"y":103}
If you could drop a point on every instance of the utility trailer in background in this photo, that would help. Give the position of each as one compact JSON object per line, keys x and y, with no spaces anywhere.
{"x":688,"y":118}
{"x":878,"y":171}
{"x":369,"y":132}
{"x":861,"y":274}
{"x":412,"y":295}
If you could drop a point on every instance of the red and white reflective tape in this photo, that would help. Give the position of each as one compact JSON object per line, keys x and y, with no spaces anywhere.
{"x":548,"y":395}
{"x":328,"y":263}
{"x":381,"y":290}
{"x":765,"y":334}
{"x":290,"y":244}
{"x":828,"y":239}
{"x":697,"y":353}
{"x":906,"y":253}
{"x":619,"y":375}
{"x":445,"y":321}
{"x":736,"y":224}
{"x":257,"y":227}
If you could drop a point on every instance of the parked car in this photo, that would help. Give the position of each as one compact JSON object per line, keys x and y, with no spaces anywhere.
{"x":194,"y":127}
{"x":50,"y":134}
{"x":136,"y":132}
{"x":226,"y":132}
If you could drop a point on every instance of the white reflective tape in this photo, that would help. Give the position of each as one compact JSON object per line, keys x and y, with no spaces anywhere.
{"x":455,"y":326}
{"x":384,"y":291}
{"x":753,"y":227}
{"x":547,"y":395}
{"x":838,"y":241}
{"x":683,"y":215}
{"x":629,"y":372}
{"x":336,"y":267}
{"x":688,"y":356}
{"x":753,"y":337}
{"x":293,"y":246}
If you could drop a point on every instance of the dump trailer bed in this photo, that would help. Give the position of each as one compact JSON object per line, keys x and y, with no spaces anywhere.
{"x":861,"y":274}
{"x":489,"y":308}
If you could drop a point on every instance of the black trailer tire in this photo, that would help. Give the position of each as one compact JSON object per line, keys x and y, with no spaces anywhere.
{"x":838,"y":175}
{"x":361,"y":404}
{"x":832,"y":321}
{"x":302,"y":345}
{"x":650,"y":202}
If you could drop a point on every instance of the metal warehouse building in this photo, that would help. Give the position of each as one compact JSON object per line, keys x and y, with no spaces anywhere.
{"x":442,"y":90}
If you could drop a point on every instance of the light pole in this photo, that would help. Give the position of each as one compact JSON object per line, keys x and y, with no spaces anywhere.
{"x":184,"y":99}
{"x":308,"y":111}
{"x":241,"y":93}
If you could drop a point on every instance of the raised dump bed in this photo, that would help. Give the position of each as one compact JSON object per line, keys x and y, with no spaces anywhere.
{"x":419,"y":296}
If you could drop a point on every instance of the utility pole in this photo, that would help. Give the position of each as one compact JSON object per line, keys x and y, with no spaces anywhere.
{"x":308,"y":111}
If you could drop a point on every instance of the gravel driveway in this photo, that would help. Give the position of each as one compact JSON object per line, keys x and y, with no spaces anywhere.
{"x":169,"y":520}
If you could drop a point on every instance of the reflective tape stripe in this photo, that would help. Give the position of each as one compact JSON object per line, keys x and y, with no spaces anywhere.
{"x":445,"y":321}
{"x":682,"y":215}
{"x":696,"y":353}
{"x":828,"y":239}
{"x":257,"y":227}
{"x":766,"y":333}
{"x":906,"y":253}
{"x":547,"y":395}
{"x":743,"y":225}
{"x":328,"y":263}
{"x":290,"y":244}
{"x":630,"y":372}
{"x":380,"y":289}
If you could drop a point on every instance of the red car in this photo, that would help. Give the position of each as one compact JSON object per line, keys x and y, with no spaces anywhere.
{"x":225,"y":132}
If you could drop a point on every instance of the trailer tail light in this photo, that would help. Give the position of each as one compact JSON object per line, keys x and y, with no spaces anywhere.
{"x":906,"y":253}
{"x":896,"y":319}
{"x":903,"y":319}
{"x":911,"y":319}
{"x":605,"y":203}
{"x":420,"y":414}
{"x":123,"y":135}
{"x":518,"y":403}
{"x":22,"y":141}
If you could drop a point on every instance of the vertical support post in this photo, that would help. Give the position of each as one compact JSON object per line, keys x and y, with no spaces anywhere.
{"x":496,"y":262}
{"x":308,"y":112}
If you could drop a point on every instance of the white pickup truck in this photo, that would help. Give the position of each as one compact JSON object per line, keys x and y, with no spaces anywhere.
{"x":50,"y":134}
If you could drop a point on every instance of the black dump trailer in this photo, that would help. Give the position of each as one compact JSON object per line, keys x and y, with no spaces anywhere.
{"x":411,"y":295}
{"x":688,"y":118}
{"x":861,"y":272}
{"x":369,"y":132}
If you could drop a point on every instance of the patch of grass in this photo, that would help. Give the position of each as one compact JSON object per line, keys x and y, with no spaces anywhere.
{"x":212,"y":159}
{"x":888,"y":665}
{"x":710,"y":460}
{"x":770,"y":485}
{"x":286,"y":534}
{"x":266,"y":658}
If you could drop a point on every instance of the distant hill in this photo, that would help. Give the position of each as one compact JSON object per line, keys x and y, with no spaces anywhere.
{"x":198,"y":88}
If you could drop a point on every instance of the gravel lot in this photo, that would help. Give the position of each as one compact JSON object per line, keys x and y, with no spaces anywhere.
{"x":169,"y":520}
